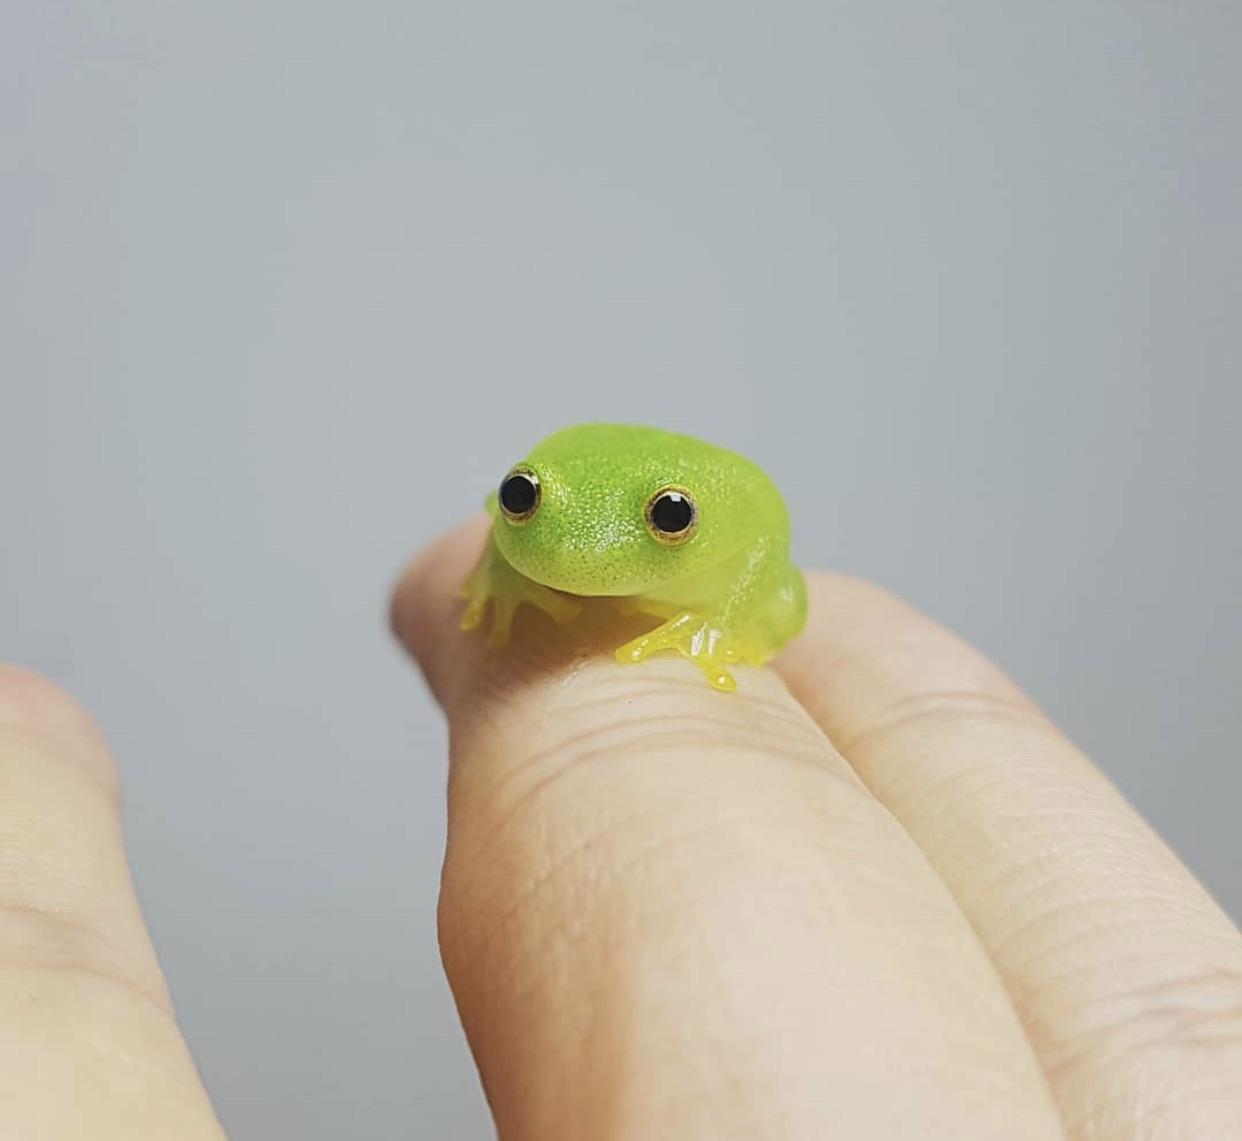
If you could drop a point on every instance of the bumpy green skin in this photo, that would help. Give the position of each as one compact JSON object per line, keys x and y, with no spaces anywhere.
{"x":728,"y":594}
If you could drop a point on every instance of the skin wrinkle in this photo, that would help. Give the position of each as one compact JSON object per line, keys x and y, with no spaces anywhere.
{"x":1008,"y":774}
{"x":973,"y":802}
{"x":947,"y":791}
{"x":1178,"y":984}
{"x":1181,"y":987}
{"x":669,"y":745}
{"x":608,"y":689}
{"x":563,"y":861}
{"x":1084,"y":933}
{"x":1168,"y":1027}
{"x":70,"y":934}
{"x":571,"y":860}
{"x":1020,"y":766}
{"x":496,"y":832}
{"x":633,"y":735}
{"x":682,"y":702}
{"x":1045,"y":868}
{"x":1171,"y":1026}
{"x":1146,"y":1120}
{"x":86,"y":970}
{"x":959,"y":820}
{"x":29,"y":743}
{"x":1141,"y":990}
{"x":68,"y":942}
{"x":947,"y":705}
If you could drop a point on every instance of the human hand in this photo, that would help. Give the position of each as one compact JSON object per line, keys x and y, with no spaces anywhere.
{"x":876,"y":896}
{"x":668,"y":913}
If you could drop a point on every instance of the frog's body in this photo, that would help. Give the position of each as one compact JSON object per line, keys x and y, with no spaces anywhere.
{"x":723,"y":585}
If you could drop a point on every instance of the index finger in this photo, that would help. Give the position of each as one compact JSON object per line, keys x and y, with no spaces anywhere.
{"x":668,"y":911}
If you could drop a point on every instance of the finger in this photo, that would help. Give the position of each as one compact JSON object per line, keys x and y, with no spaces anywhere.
{"x":668,"y":912}
{"x":1127,"y":975}
{"x":88,"y":1043}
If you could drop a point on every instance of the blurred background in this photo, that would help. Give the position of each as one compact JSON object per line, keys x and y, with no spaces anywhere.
{"x":286,"y":287}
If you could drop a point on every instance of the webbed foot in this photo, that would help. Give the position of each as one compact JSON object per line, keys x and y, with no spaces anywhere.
{"x":693,"y":637}
{"x":494,"y":581}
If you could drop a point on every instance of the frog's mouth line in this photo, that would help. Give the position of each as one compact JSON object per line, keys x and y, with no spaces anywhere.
{"x":621,"y":590}
{"x":594,"y":578}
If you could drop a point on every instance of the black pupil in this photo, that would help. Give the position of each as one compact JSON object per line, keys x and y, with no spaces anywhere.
{"x":517,"y":494}
{"x":672,"y":513}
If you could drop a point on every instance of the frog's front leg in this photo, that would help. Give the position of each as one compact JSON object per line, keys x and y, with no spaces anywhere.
{"x":494,"y":580}
{"x":693,"y":636}
{"x":744,"y":624}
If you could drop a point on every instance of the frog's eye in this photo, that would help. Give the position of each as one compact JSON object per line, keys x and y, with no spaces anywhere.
{"x":671,"y":515}
{"x":519,"y":494}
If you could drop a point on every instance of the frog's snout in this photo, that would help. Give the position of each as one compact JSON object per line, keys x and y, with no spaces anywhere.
{"x":582,"y":561}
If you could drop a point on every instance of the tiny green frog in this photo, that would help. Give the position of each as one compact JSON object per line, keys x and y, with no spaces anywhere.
{"x":691,"y":534}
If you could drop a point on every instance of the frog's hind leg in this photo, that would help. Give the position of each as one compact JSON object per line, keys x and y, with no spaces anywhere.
{"x":779,"y":620}
{"x":787,"y":612}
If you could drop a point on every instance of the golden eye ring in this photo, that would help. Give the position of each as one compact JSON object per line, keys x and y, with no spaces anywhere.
{"x":671,"y":515}
{"x":519,"y":494}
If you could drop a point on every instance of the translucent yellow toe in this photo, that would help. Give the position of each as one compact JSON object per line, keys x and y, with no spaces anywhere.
{"x":693,"y":637}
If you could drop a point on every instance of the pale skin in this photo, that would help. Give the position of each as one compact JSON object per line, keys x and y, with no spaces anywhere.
{"x":872,"y":894}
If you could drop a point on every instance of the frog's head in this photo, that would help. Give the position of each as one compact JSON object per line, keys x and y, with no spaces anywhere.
{"x":614,"y":511}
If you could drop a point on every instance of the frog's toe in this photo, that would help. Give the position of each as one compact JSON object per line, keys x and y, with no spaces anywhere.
{"x":635,"y":651}
{"x":472,"y":615}
{"x":702,"y":643}
{"x":560,"y":609}
{"x":676,"y":634}
{"x":503,"y":610}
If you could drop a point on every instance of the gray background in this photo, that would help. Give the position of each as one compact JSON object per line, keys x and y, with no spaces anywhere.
{"x":287,"y":286}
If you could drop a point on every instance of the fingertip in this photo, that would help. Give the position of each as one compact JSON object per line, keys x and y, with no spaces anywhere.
{"x":423,"y":608}
{"x":38,"y":710}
